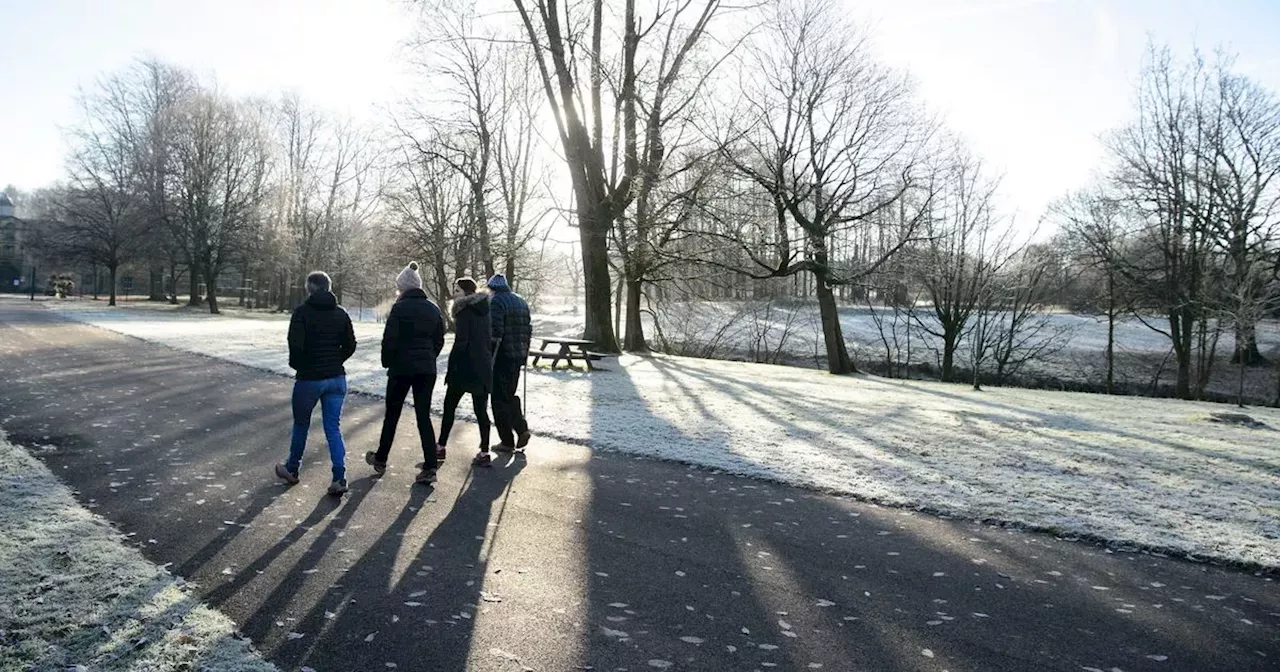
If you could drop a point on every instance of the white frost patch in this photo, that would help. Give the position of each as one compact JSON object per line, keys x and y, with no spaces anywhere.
{"x":1153,"y":472}
{"x":81,"y":599}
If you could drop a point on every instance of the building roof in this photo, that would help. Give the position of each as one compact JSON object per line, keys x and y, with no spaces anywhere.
{"x":5,"y":200}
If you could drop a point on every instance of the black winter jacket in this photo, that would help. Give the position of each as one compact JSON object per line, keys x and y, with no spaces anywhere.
{"x":470,"y":364}
{"x":321,"y":338}
{"x":512,"y":328}
{"x":413,"y":337}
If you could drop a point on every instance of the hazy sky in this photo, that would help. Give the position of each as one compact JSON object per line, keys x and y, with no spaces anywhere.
{"x":1029,"y":83}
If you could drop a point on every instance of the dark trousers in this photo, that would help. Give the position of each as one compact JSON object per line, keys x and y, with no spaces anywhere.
{"x":479,"y":404}
{"x":507,"y":414}
{"x":397,"y":389}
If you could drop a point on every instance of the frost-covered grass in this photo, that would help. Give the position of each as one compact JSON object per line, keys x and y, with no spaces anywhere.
{"x":76,"y":598}
{"x":1151,"y":472}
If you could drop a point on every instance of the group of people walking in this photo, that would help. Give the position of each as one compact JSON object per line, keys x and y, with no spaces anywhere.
{"x":492,"y":334}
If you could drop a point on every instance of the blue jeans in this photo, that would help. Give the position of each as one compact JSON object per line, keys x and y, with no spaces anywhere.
{"x":330,"y":392}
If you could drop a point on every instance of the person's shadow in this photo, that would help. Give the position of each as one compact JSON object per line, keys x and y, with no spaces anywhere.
{"x":436,"y":586}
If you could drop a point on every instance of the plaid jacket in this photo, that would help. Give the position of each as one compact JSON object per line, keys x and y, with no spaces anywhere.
{"x":511,"y":325}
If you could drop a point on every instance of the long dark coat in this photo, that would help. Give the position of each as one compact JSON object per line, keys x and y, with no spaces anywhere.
{"x":470,"y":362}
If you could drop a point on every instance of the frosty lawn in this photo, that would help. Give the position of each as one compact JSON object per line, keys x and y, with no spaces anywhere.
{"x":1150,"y":472}
{"x":76,"y":598}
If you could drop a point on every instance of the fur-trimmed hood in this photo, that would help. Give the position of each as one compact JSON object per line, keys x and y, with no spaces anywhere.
{"x":478,"y":299}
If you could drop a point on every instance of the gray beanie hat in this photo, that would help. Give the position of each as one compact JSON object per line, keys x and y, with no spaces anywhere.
{"x":409,"y":278}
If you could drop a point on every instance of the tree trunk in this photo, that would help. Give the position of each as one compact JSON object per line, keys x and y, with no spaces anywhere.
{"x":1240,"y":385}
{"x":111,"y":270}
{"x":948,"y":356}
{"x":193,"y":277}
{"x":283,"y":295}
{"x":838,"y":361}
{"x":593,"y":233}
{"x":173,"y":284}
{"x":634,"y":340}
{"x":211,"y":279}
{"x":617,"y":305}
{"x":1183,"y":330}
{"x":1277,"y":401}
{"x":1111,"y":334}
{"x":157,"y":284}
{"x":1246,"y":351}
{"x":244,"y":280}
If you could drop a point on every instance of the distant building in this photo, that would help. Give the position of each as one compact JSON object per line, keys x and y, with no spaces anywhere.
{"x":16,"y":257}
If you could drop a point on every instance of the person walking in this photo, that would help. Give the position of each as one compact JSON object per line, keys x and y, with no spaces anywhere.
{"x":411,"y":341}
{"x":470,"y":366}
{"x":511,"y":332}
{"x":321,"y":340}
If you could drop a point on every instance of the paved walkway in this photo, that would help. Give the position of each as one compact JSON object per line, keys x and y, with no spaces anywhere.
{"x":573,"y":560}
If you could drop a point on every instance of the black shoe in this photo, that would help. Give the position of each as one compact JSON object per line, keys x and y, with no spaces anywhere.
{"x":287,"y":476}
{"x":338,"y":487}
{"x":371,"y":459}
{"x":504,"y":448}
{"x":523,"y":440}
{"x":481,"y":460}
{"x":426,"y":477}
{"x":441,"y":453}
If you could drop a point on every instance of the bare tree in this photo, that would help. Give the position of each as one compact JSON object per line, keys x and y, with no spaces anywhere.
{"x":835,"y":143}
{"x":427,"y":204}
{"x":956,"y":265}
{"x":221,"y":160}
{"x":1093,"y":221}
{"x":1242,"y":159}
{"x":604,"y":181}
{"x":1018,"y":318}
{"x":1158,"y":173}
{"x":101,"y":215}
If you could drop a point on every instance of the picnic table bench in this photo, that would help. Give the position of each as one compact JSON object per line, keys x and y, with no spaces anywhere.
{"x":567,"y":350}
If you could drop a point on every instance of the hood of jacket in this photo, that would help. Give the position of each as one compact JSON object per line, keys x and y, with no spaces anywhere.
{"x":322,"y":301}
{"x":478,"y":301}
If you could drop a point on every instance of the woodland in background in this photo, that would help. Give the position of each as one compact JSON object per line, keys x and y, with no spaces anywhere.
{"x":703,"y":152}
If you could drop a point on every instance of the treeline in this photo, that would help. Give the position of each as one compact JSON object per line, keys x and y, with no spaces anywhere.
{"x":702,"y":150}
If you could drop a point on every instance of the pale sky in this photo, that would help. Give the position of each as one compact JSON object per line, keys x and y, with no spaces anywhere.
{"x":1030,"y":84}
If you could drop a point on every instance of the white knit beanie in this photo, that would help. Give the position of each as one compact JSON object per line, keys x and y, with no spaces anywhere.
{"x":409,"y":278}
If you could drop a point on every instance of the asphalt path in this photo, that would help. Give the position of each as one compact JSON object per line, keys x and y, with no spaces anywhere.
{"x":571,"y":559}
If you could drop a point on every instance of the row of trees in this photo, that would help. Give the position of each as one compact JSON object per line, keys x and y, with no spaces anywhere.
{"x":814,"y":160}
{"x":726,"y":149}
{"x":171,"y":175}
{"x":1184,"y":222}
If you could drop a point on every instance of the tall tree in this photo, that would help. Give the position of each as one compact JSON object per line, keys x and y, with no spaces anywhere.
{"x":1159,"y":172}
{"x":221,"y":162}
{"x":564,"y":47}
{"x":1093,"y":224}
{"x":836,"y":142}
{"x":101,"y":215}
{"x":1242,"y":156}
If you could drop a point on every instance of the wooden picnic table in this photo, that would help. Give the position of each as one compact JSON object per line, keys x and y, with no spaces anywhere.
{"x":567,"y":350}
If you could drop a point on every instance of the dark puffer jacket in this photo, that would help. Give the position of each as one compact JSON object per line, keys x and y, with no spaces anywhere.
{"x":321,"y":338}
{"x":413,"y":337}
{"x":512,"y":325}
{"x":470,"y":366}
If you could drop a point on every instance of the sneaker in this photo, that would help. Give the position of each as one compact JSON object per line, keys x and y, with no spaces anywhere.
{"x":426,"y":477}
{"x":338,"y":487}
{"x":523,"y":440}
{"x":285,"y":475}
{"x":371,"y":459}
{"x":504,"y":448}
{"x":441,"y":452}
{"x":481,"y":460}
